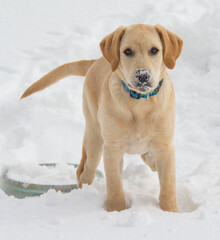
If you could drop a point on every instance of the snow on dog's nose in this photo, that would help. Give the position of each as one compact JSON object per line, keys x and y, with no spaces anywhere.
{"x":142,"y":77}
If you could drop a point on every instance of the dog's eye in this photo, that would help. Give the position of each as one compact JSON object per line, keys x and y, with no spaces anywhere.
{"x":154,"y":51}
{"x":128,"y":52}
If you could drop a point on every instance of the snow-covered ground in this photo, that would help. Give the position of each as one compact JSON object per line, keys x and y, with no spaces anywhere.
{"x":37,"y":36}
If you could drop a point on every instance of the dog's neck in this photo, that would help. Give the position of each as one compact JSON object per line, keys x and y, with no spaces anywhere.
{"x":136,"y":95}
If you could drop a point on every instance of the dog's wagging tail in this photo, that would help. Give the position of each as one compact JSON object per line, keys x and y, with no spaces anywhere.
{"x":78,"y":68}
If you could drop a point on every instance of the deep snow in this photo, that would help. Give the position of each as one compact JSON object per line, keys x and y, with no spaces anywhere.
{"x":37,"y":36}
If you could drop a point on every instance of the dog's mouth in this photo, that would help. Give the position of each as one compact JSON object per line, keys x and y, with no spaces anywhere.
{"x":141,"y":88}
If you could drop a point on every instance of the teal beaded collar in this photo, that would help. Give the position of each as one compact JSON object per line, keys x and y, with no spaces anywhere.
{"x":136,"y":95}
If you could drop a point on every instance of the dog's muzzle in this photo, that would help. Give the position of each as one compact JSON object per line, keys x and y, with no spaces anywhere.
{"x":142,"y":78}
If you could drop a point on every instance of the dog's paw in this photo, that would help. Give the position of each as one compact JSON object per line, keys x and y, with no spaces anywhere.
{"x":85,"y":177}
{"x":169,"y":205}
{"x":116,"y":205}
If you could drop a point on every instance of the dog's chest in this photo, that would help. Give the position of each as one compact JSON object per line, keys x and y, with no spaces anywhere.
{"x":138,"y":144}
{"x":138,"y":138}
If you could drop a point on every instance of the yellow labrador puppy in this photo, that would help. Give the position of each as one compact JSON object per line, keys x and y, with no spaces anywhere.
{"x":129,"y":107}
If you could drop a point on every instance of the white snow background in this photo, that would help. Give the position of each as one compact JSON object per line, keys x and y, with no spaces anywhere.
{"x":36,"y":37}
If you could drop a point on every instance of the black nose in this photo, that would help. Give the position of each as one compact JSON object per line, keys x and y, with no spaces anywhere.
{"x":142,"y":76}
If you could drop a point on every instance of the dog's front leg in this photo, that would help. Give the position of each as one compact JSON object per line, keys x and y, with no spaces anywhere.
{"x":113,"y":161}
{"x":165,"y":162}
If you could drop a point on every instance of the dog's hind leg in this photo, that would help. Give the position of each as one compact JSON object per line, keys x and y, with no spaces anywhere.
{"x":91,"y":154}
{"x":150,"y":161}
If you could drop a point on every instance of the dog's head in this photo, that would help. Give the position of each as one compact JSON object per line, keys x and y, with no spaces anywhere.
{"x":140,"y":52}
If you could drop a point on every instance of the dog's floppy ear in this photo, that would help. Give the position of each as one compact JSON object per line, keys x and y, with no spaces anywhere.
{"x":172,"y":46}
{"x":110,"y":47}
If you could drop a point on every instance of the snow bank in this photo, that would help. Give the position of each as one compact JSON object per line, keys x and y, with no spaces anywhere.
{"x":81,"y":213}
{"x":61,"y":174}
